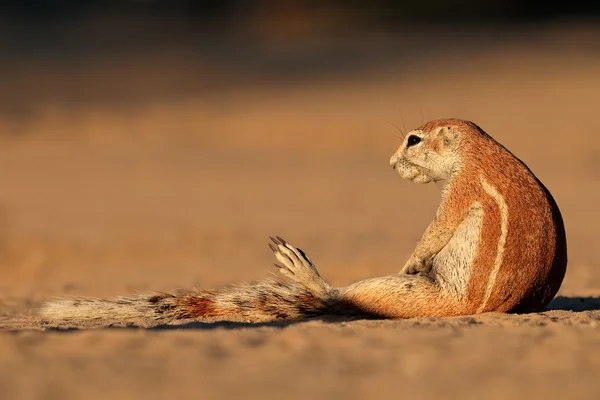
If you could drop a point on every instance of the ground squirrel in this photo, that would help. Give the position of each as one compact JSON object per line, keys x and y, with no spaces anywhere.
{"x":497,"y":243}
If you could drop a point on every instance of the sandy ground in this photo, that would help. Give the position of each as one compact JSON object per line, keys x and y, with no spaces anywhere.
{"x":100,"y":201}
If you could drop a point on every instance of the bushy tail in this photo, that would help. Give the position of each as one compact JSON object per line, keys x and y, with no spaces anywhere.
{"x":270,"y":300}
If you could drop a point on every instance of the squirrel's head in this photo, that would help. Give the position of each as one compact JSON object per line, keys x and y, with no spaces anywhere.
{"x":429,"y":153}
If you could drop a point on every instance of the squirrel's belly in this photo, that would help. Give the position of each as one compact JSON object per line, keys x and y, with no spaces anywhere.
{"x":453,"y":265}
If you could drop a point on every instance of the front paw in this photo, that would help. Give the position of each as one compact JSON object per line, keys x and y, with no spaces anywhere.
{"x":416,"y":266}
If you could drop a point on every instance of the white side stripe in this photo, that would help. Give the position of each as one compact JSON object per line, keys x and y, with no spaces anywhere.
{"x":492,"y":191}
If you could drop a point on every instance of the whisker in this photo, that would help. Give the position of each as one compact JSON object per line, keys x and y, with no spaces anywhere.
{"x":397,"y":128}
{"x":403,"y":124}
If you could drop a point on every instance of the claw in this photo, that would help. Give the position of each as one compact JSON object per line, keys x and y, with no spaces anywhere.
{"x":277,"y":240}
{"x":273,"y":249}
{"x":283,"y":242}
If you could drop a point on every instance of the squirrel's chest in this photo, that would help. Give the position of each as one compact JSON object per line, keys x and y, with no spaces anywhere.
{"x":453,"y":265}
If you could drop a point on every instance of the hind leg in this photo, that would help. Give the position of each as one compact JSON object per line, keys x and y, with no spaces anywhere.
{"x":393,"y":296}
{"x":402,"y":296}
{"x":297,"y":266}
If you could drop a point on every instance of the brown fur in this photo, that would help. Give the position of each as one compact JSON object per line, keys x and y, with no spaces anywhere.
{"x":534,"y":254}
{"x":497,"y":243}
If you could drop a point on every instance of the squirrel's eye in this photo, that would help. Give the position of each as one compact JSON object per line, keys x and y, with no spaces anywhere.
{"x":412,"y":140}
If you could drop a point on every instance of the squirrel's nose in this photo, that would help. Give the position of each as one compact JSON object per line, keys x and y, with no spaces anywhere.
{"x":394,"y":161}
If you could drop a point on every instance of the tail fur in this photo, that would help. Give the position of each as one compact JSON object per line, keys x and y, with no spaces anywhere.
{"x":270,"y":300}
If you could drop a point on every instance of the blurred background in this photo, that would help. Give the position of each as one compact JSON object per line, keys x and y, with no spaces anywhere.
{"x":126,"y":53}
{"x":156,"y":144}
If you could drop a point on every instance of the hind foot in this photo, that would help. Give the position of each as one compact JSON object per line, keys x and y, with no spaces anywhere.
{"x":297,"y":266}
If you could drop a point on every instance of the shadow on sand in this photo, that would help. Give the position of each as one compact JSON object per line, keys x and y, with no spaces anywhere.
{"x":575,"y":304}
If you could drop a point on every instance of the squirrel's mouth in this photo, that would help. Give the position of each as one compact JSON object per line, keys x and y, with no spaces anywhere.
{"x":412,"y":172}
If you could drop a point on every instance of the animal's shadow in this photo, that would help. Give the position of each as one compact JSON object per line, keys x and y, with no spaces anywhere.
{"x":575,"y":304}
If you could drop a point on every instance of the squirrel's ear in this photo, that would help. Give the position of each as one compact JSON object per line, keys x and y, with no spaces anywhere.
{"x":447,"y":135}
